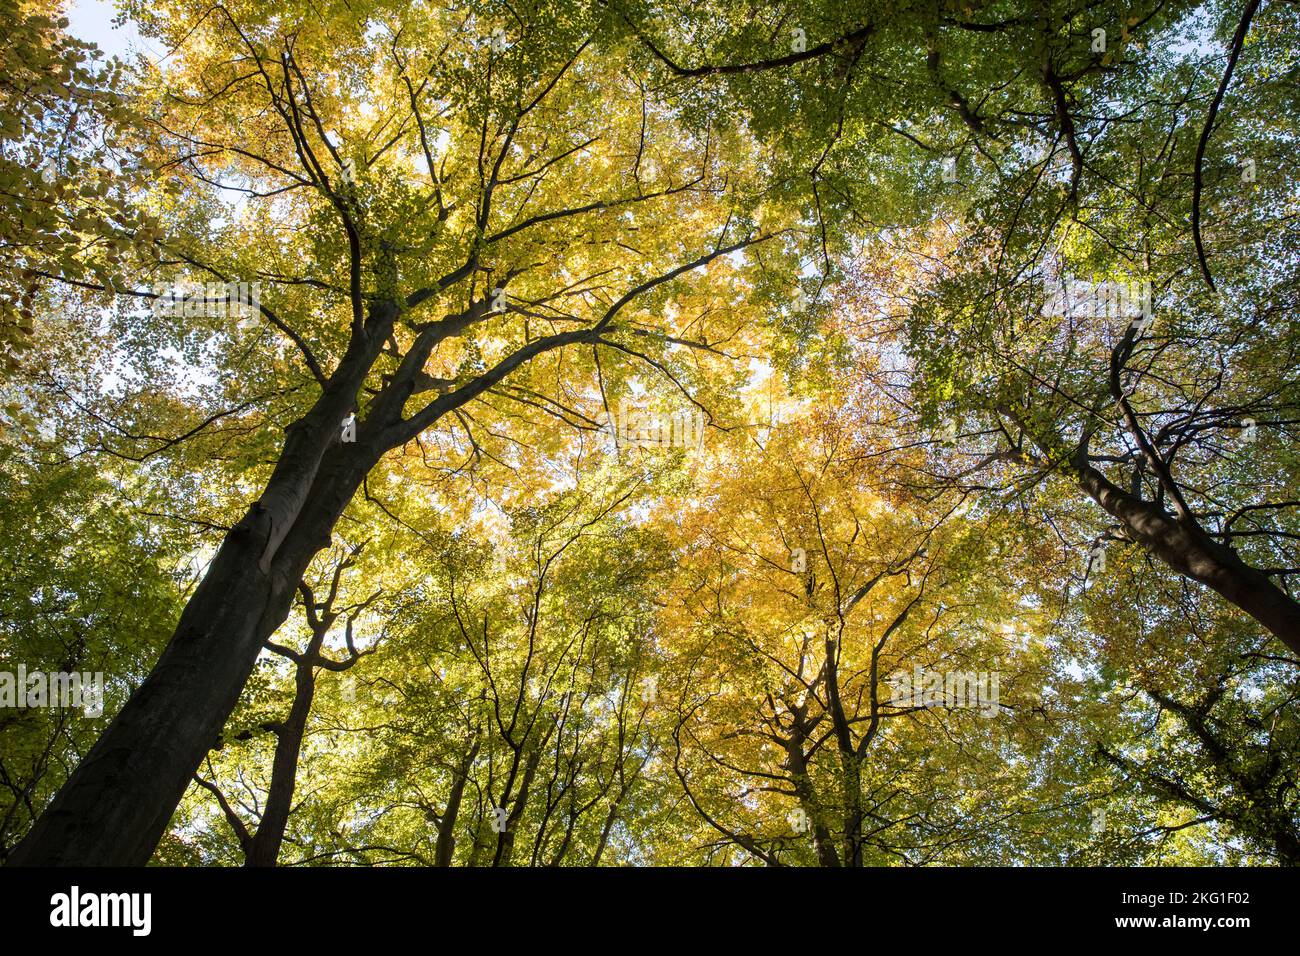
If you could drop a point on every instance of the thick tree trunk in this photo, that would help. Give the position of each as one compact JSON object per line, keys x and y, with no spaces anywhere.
{"x":116,"y":805}
{"x":1192,"y":553}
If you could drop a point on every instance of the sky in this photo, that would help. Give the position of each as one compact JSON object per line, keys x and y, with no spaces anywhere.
{"x":92,"y":21}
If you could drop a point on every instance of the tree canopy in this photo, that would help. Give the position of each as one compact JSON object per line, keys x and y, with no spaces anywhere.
{"x":624,"y":433}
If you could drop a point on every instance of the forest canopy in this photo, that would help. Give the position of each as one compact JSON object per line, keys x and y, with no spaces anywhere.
{"x":625,"y":433}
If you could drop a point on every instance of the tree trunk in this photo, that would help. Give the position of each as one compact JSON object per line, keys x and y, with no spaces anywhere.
{"x":116,"y":805}
{"x":446,"y":846}
{"x":1193,"y":554}
{"x":796,"y":764}
{"x":851,"y":768}
{"x":506,"y":838}
{"x":265,"y":848}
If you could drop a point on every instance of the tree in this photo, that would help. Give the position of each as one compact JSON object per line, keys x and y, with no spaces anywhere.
{"x":496,"y":231}
{"x":847,"y":667}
